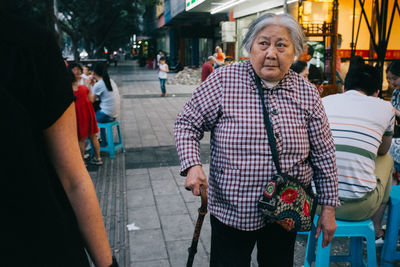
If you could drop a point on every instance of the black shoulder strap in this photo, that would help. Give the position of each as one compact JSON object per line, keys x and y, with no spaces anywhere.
{"x":268,"y":126}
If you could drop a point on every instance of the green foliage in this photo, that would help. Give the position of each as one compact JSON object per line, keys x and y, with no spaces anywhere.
{"x":31,"y":9}
{"x":92,"y":23}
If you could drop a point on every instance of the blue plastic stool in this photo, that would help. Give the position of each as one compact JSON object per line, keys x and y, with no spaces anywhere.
{"x":389,"y":252}
{"x":111,"y":147}
{"x":356,"y":231}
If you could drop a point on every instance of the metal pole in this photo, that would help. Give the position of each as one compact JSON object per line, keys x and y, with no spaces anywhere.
{"x":353,"y":49}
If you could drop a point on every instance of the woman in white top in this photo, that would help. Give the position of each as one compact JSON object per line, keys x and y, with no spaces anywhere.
{"x":162,"y":75}
{"x":107,"y":92}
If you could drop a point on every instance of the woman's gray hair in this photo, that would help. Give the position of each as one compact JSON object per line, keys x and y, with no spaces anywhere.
{"x":284,"y":20}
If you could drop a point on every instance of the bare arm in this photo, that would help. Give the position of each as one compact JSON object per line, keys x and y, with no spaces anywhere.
{"x":92,"y":97}
{"x":385,"y":145}
{"x":397,"y":112}
{"x":62,"y":146}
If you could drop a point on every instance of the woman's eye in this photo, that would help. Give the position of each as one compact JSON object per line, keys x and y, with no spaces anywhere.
{"x":280,"y":45}
{"x":263,"y":43}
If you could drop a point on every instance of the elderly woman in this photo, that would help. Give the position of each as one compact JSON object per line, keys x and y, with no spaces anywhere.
{"x":228,"y":105}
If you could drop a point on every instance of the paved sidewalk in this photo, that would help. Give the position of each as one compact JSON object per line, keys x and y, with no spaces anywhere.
{"x":142,"y":186}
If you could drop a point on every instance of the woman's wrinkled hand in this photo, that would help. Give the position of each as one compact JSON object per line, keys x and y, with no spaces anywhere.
{"x":326,"y":223}
{"x":196,"y":177}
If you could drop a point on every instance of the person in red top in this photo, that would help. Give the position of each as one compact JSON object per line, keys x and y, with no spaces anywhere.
{"x":86,"y":118}
{"x":207,"y":68}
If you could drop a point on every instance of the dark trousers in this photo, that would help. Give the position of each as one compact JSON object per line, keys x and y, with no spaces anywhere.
{"x":102,"y":117}
{"x":232,"y":248}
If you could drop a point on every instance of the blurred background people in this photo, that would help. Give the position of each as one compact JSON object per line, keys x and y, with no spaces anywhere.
{"x":86,"y":119}
{"x":314,"y":75}
{"x":219,"y":57}
{"x":301,"y":68}
{"x":77,"y":70}
{"x":162,"y":75}
{"x":159,"y":55}
{"x":393,"y":76}
{"x":86,"y":72}
{"x":107,"y":92}
{"x":207,"y":68}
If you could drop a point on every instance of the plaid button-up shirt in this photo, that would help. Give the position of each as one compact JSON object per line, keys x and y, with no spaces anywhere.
{"x":228,"y":105}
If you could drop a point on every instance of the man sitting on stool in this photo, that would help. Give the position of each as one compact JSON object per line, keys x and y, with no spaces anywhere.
{"x":362,"y":126}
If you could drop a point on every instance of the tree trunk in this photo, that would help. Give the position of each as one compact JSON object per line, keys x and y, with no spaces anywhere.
{"x":75,"y":49}
{"x":88,"y":47}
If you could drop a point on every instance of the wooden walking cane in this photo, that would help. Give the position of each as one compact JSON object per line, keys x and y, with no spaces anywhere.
{"x":202,"y":213}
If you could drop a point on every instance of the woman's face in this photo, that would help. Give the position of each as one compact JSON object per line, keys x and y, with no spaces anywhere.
{"x":304,"y":73}
{"x":272,"y":53}
{"x":77,"y":72}
{"x":394,"y":80}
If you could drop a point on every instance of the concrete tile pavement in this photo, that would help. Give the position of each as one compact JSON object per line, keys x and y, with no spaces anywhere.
{"x":157,"y":203}
{"x":152,"y":197}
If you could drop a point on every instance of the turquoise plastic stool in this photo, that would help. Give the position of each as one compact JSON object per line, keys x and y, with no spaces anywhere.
{"x":111,"y":147}
{"x":389,"y":252}
{"x":356,"y":231}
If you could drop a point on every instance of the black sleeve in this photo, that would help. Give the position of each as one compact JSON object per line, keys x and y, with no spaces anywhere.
{"x":56,"y":85}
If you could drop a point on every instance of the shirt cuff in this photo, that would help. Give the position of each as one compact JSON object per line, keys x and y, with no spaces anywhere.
{"x":334,"y":202}
{"x":185,"y":165}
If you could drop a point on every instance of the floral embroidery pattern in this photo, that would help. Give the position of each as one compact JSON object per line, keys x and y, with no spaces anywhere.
{"x":289,"y":195}
{"x":306,"y":208}
{"x":269,"y":189}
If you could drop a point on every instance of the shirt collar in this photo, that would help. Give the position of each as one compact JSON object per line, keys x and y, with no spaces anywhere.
{"x":286,"y":83}
{"x":354,"y":92}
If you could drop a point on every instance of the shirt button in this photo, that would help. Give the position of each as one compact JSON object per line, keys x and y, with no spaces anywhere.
{"x":276,"y":135}
{"x":274,"y":111}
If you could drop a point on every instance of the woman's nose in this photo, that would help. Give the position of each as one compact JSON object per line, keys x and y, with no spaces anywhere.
{"x":271,"y":52}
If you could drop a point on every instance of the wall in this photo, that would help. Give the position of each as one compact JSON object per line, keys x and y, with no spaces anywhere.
{"x":345,"y":25}
{"x":177,"y":6}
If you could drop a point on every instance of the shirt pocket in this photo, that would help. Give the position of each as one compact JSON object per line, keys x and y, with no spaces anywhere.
{"x":225,"y":187}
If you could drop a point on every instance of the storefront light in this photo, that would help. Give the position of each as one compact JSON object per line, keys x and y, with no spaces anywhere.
{"x":226,"y":5}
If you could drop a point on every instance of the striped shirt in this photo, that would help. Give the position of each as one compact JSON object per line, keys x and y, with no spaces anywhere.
{"x":228,"y":105}
{"x":358,"y":123}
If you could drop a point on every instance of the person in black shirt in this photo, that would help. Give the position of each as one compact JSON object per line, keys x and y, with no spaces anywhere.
{"x":50,"y":212}
{"x":314,"y":74}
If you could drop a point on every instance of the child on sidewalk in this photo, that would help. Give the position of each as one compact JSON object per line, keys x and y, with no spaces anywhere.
{"x":162,"y":75}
